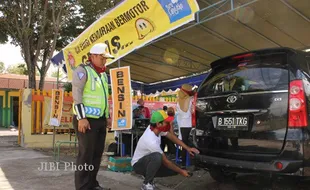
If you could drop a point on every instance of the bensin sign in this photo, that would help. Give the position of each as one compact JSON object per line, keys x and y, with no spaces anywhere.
{"x":56,"y":105}
{"x":121,"y":98}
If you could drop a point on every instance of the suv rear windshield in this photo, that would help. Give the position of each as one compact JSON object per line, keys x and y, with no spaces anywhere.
{"x":246,"y":78}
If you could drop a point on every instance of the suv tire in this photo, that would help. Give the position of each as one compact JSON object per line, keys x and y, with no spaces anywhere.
{"x":220,"y":175}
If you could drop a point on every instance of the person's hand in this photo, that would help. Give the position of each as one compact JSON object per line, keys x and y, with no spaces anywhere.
{"x":83,"y":125}
{"x":193,"y":151}
{"x":185,"y":173}
{"x":109,"y":123}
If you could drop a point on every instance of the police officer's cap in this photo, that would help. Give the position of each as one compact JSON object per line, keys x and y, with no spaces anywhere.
{"x":101,"y":49}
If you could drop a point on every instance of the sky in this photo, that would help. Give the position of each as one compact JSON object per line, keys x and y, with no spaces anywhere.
{"x":10,"y":55}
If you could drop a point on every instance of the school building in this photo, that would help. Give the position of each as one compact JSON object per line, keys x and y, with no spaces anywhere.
{"x":9,"y":95}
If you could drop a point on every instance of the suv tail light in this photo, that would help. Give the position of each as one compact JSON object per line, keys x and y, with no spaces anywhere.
{"x":297,"y":105}
{"x":243,"y":56}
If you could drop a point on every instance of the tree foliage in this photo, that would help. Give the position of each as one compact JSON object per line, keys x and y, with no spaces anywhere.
{"x":3,"y":34}
{"x":2,"y":67}
{"x":19,"y":69}
{"x":85,"y":13}
{"x":55,"y":74}
{"x":34,"y":25}
{"x":67,"y":87}
{"x":40,"y":27}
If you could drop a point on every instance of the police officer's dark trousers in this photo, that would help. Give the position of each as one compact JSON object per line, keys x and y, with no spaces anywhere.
{"x":91,"y":146}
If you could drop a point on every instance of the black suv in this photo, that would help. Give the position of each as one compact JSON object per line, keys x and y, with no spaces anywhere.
{"x":252,"y":114}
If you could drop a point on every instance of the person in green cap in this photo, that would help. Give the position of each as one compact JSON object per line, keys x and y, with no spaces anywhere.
{"x":149,"y":160}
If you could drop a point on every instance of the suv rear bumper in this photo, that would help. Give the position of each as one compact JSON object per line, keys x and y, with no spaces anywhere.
{"x":288,"y":166}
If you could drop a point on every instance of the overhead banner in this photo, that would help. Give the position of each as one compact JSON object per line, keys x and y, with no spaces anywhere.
{"x":56,"y":107}
{"x":121,"y":98}
{"x":129,"y":26}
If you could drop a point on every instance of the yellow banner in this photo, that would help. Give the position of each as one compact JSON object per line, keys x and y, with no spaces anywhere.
{"x":121,"y":98}
{"x":129,"y":26}
{"x":56,"y":107}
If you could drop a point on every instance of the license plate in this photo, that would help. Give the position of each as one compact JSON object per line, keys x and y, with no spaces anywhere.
{"x":233,"y":122}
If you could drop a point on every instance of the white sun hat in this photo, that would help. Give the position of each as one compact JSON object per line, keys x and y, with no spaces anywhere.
{"x":101,"y":49}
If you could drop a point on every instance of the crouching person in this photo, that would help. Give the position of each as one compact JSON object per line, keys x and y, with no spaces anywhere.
{"x":149,"y":160}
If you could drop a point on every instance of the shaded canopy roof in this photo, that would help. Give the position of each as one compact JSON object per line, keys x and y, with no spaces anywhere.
{"x":173,"y":85}
{"x":221,"y":30}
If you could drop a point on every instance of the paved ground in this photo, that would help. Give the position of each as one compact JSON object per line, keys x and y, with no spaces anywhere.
{"x":19,"y":170}
{"x":8,"y":132}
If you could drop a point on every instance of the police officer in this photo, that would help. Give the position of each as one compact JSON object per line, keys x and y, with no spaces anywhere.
{"x":91,"y":110}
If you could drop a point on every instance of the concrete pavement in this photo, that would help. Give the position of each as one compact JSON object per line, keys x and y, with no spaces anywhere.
{"x":20,"y":169}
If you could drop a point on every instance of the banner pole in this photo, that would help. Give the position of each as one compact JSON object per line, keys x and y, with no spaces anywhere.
{"x":56,"y":113}
{"x":121,"y":143}
{"x":54,"y":133}
{"x":121,"y":132}
{"x":118,"y":142}
{"x":57,"y":83}
{"x":54,"y":130}
{"x":132,"y":138}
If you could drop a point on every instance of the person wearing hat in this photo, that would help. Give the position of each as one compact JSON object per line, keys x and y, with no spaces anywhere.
{"x":91,"y":110}
{"x":149,"y":160}
{"x":184,"y":116}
